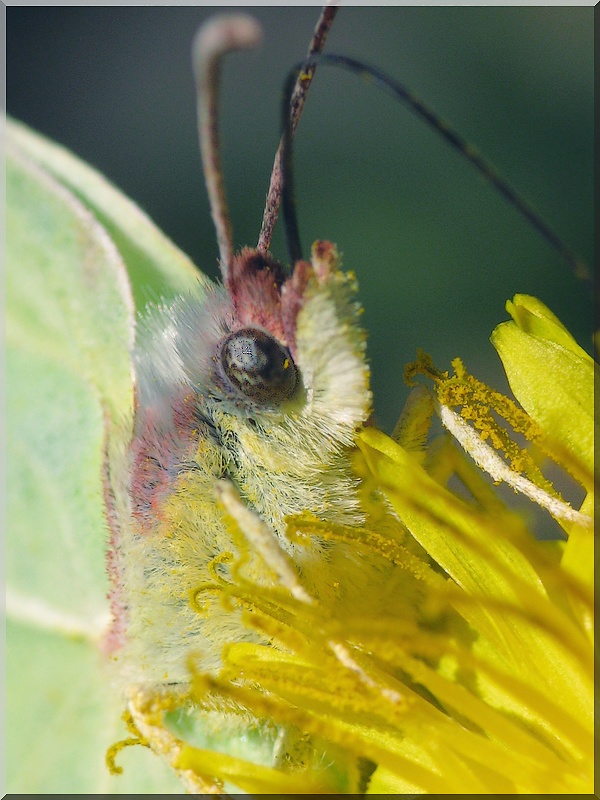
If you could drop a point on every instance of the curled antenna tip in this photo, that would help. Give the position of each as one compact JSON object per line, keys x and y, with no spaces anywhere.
{"x":217,"y":37}
{"x":220,"y":35}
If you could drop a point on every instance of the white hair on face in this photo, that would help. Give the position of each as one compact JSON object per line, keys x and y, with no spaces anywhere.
{"x":282,"y":460}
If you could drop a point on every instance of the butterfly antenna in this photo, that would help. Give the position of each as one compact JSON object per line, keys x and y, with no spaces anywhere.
{"x":217,"y":37}
{"x":400,"y":92}
{"x":299,"y":86}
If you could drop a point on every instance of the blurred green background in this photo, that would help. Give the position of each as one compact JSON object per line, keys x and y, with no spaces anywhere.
{"x":436,"y":251}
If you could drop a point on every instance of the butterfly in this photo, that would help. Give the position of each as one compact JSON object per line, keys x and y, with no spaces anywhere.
{"x":261,"y":382}
{"x":204,"y":411}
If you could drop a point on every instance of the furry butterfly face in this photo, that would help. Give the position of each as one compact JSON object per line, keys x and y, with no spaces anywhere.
{"x":264,"y":383}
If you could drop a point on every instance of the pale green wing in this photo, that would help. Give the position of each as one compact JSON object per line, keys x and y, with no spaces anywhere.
{"x":150,"y":257}
{"x":69,"y":330}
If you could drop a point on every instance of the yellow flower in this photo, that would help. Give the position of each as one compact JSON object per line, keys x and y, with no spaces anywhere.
{"x":464,"y":664}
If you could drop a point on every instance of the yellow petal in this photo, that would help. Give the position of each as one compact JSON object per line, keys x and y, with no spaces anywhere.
{"x":532,"y":316}
{"x":503,"y":599}
{"x":553,"y":379}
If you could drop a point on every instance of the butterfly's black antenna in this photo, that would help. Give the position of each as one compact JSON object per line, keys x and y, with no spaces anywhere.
{"x":400,"y":92}
{"x":301,"y":83}
{"x":217,"y":37}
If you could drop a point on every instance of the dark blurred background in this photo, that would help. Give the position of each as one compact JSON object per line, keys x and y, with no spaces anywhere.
{"x":436,"y":251}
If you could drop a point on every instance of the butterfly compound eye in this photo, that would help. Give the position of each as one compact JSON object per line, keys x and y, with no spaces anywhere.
{"x":259,"y":366}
